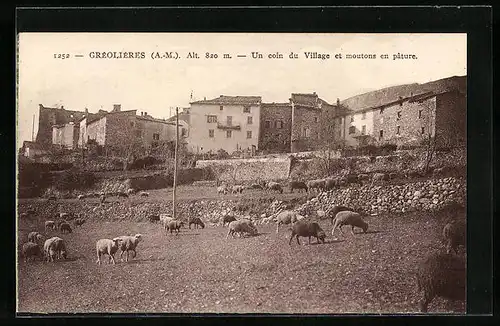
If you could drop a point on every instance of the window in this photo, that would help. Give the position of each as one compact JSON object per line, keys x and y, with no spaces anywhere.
{"x":156,"y":136}
{"x":399,"y":115}
{"x":315,"y":119}
{"x":211,"y":118}
{"x":398,"y":130}
{"x":246,"y":109}
{"x":249,"y":120}
{"x":423,"y":130}
{"x":211,"y":133}
{"x":229,"y":133}
{"x":352,"y":129}
{"x":363,"y":129}
{"x":221,"y":107}
{"x":381,"y":134}
{"x":420,"y":114}
{"x":363,"y":116}
{"x":352,"y":118}
{"x":307,"y":132}
{"x":183,"y":132}
{"x":279,"y":124}
{"x":267,"y":124}
{"x":229,"y":120}
{"x":249,"y":134}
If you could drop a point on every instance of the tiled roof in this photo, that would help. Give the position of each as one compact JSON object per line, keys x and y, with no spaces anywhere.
{"x":147,"y":118}
{"x":235,"y":100}
{"x":392,"y":94}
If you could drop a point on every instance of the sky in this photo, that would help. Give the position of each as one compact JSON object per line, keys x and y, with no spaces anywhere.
{"x":157,"y":85}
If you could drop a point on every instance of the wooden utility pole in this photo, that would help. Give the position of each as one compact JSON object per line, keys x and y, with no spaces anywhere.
{"x":174,"y":192}
{"x":33,"y":129}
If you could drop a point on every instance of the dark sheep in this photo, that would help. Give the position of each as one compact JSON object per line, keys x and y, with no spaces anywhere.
{"x":197,"y":222}
{"x":298,"y":185}
{"x":454,"y":235}
{"x":154,"y":218}
{"x":332,"y":212}
{"x":316,"y":184}
{"x":304,"y":228}
{"x":65,"y":228}
{"x":228,"y":219}
{"x":174,"y":225}
{"x":31,"y":250}
{"x":441,"y":275}
{"x":256,"y":186}
{"x":59,"y":223}
{"x":352,"y":178}
{"x":79,"y":222}
{"x":241,"y":227}
{"x":275,"y":186}
{"x":393,"y":175}
{"x":349,"y":218}
{"x":331,"y":183}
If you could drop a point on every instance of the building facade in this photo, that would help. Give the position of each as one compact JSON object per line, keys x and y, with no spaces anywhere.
{"x":275,"y":127}
{"x":231,"y":123}
{"x":66,"y":135}
{"x":49,"y":117}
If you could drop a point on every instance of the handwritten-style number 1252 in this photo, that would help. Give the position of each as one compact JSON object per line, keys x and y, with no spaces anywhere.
{"x":61,"y":56}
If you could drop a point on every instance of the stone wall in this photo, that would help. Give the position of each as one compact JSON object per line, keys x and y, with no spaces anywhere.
{"x":247,"y":170}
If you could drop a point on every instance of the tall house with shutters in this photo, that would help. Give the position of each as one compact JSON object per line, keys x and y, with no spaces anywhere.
{"x":231,"y":123}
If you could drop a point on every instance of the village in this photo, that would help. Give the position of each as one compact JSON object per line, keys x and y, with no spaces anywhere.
{"x":395,"y":157}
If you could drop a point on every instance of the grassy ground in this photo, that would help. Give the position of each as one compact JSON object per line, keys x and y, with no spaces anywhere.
{"x":201,"y":271}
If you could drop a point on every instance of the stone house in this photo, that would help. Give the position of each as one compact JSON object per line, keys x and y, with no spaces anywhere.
{"x":66,"y":135}
{"x":48,"y":117}
{"x":231,"y":123}
{"x":406,"y":114}
{"x":275,"y":127}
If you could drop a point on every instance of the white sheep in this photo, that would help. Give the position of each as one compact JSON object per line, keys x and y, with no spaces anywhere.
{"x":108,"y":247}
{"x":165,"y":219}
{"x":53,"y":247}
{"x":144,"y":194}
{"x":222,"y":189}
{"x":287,"y":217}
{"x":349,"y":218}
{"x":128,"y":243}
{"x":81,"y":197}
{"x":130,"y":191}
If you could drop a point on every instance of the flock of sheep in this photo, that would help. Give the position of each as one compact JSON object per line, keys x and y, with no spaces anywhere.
{"x":55,"y":247}
{"x":440,"y":275}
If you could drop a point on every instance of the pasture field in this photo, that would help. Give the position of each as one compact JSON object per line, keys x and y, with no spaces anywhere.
{"x":200,"y":271}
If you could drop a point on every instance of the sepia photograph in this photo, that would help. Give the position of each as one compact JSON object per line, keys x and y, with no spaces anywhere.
{"x":235,"y":173}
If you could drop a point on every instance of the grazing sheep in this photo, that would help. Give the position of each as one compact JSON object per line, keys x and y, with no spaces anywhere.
{"x":237,"y":189}
{"x":34,"y":237}
{"x":274,"y":186}
{"x":378,"y":177}
{"x":222,"y":190}
{"x":50,"y":225}
{"x":287,"y":217}
{"x":363,"y":177}
{"x":441,"y":275}
{"x":65,"y":228}
{"x":61,"y":222}
{"x":79,"y":222}
{"x":144,"y":194}
{"x":154,"y":218}
{"x":307,"y":229}
{"x":165,"y":219}
{"x":227,"y":219}
{"x":128,"y":243}
{"x":81,"y":197}
{"x":316,"y":184}
{"x":393,"y":175}
{"x":333,"y":211}
{"x":454,"y":235}
{"x":298,"y":185}
{"x":174,"y":225}
{"x":349,"y":218}
{"x":122,"y":194}
{"x":54,"y":247}
{"x":240,"y":227}
{"x":352,"y":178}
{"x":108,"y":247}
{"x":197,"y":222}
{"x":130,"y":191}
{"x":31,"y":250}
{"x":330,"y":183}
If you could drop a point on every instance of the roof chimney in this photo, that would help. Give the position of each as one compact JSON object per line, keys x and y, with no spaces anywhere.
{"x":117,"y":107}
{"x":221,"y":95}
{"x":204,"y":98}
{"x":145,"y":113}
{"x":62,"y":107}
{"x":86,"y":111}
{"x":314,"y":93}
{"x":338,"y":101}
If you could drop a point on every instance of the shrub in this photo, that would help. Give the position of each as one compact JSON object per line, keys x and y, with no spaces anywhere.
{"x":71,"y":180}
